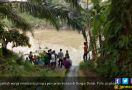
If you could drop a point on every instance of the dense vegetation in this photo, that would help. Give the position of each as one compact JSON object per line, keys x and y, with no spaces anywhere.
{"x":15,"y":69}
{"x":116,"y":56}
{"x":111,"y":25}
{"x":106,"y":26}
{"x":13,"y":29}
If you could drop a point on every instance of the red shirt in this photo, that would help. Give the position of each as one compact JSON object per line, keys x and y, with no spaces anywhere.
{"x":34,"y":58}
{"x":85,"y":49}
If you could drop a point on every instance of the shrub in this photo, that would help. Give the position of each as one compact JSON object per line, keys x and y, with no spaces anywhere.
{"x":88,"y":64}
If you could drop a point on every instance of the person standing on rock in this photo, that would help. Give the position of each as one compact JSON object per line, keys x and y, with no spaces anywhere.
{"x":85,"y":51}
{"x":60,"y":57}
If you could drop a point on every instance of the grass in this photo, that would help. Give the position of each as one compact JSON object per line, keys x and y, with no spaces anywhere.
{"x":89,"y":73}
{"x":87,"y":65}
{"x":13,"y":66}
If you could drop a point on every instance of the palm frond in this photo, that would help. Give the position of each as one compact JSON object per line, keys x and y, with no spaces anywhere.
{"x":1,"y":27}
{"x":73,"y":18}
{"x":41,"y":11}
{"x":60,"y":11}
{"x":74,"y":3}
{"x":54,"y":13}
{"x":1,"y":30}
{"x":18,"y":21}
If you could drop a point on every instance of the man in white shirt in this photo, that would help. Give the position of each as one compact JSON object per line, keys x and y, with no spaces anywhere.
{"x":60,"y":56}
{"x":53,"y":59}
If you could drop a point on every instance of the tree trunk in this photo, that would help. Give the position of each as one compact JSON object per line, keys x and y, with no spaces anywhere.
{"x":100,"y":39}
{"x":4,"y":48}
{"x":94,"y":49}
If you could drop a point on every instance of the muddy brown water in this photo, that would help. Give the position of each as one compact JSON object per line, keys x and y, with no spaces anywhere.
{"x":53,"y":39}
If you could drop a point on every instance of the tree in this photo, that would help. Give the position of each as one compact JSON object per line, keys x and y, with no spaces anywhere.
{"x":6,"y":11}
{"x":15,"y":37}
{"x":118,"y":39}
{"x":98,"y":15}
{"x":110,"y":23}
{"x":52,"y":12}
{"x":40,"y":9}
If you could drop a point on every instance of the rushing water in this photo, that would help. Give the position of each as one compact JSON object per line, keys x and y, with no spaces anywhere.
{"x":52,"y":39}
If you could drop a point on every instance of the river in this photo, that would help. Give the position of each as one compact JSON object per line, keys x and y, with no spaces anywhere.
{"x":53,"y":39}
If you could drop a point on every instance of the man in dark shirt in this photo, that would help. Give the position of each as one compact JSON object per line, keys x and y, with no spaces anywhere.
{"x":30,"y":56}
{"x":49,"y":56}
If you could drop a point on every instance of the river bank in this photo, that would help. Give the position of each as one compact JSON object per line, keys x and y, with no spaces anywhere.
{"x":53,"y":39}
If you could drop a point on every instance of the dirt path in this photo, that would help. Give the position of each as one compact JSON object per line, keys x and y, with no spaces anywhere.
{"x":71,"y":77}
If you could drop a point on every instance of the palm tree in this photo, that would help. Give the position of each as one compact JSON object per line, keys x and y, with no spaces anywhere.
{"x":6,"y":11}
{"x":40,"y":9}
{"x":52,"y":12}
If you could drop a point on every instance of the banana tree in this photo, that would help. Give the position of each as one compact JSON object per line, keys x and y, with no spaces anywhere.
{"x":95,"y":17}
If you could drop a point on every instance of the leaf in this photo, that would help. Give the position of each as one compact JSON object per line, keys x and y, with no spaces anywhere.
{"x":41,"y":11}
{"x":19,"y":22}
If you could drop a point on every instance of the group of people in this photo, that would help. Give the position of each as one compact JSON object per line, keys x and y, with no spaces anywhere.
{"x":51,"y":59}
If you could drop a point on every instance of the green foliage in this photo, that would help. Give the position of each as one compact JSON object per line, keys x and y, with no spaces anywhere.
{"x":40,"y":10}
{"x":33,"y":20}
{"x":87,"y":65}
{"x":110,"y":70}
{"x":8,"y":12}
{"x":55,"y":13}
{"x":20,"y":71}
{"x":111,"y":20}
{"x":13,"y":64}
{"x":1,"y":55}
{"x":1,"y":27}
{"x":16,"y":38}
{"x":74,"y":3}
{"x":116,"y":49}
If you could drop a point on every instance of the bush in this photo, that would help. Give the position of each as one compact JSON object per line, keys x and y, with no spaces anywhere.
{"x":1,"y":55}
{"x":110,"y":68}
{"x":87,"y":65}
